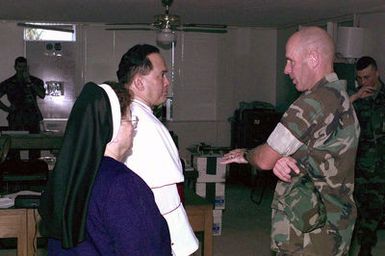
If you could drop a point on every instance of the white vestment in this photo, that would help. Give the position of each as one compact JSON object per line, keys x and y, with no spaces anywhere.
{"x":155,"y":159}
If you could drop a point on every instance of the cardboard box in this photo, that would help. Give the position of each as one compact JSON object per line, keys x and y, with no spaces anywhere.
{"x":214,"y":192}
{"x":210,"y":169}
{"x":203,"y":149}
{"x":217,"y":222}
{"x":206,"y":178}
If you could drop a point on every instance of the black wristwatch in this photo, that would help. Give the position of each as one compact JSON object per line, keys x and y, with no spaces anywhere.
{"x":246,"y":155}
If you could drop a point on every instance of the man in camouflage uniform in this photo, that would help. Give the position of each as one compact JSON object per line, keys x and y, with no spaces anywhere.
{"x":22,"y":90}
{"x":369,"y":102}
{"x":317,"y":137}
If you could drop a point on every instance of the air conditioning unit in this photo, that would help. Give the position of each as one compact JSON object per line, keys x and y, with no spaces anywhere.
{"x":350,"y":42}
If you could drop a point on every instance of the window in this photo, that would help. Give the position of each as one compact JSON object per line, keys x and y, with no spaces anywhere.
{"x":48,"y":32}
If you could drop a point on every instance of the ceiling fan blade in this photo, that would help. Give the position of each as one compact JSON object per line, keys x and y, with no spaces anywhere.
{"x":202,"y":30}
{"x":56,"y":27}
{"x":214,"y":31}
{"x":128,"y":24}
{"x":213,"y":26}
{"x":129,"y":29}
{"x":171,"y":22}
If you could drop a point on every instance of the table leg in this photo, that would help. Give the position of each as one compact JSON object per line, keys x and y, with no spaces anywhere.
{"x":33,"y":219}
{"x":208,"y":233}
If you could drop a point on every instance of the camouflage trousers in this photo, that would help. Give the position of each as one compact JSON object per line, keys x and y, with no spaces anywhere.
{"x":370,"y":200}
{"x":328,"y":240}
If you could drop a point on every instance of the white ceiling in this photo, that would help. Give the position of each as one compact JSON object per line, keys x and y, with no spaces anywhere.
{"x":260,"y":13}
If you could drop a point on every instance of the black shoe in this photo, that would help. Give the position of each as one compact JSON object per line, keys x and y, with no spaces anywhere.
{"x":365,"y":250}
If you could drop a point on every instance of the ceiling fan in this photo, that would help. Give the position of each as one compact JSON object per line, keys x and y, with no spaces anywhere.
{"x":166,"y":24}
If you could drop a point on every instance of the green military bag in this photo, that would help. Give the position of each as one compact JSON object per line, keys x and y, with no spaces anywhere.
{"x":303,"y":204}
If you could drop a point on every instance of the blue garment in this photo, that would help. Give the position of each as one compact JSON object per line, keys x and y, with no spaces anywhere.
{"x":122,"y":217}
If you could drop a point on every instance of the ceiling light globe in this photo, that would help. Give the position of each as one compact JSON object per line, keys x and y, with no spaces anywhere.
{"x":165,"y":36}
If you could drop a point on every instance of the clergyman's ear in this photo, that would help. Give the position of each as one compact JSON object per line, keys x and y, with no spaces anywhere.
{"x":138,"y":83}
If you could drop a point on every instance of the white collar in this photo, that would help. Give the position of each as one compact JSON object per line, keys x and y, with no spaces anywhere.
{"x":140,"y":102}
{"x":115,"y":108}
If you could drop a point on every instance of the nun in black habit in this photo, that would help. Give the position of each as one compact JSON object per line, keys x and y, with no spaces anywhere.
{"x":93,"y":204}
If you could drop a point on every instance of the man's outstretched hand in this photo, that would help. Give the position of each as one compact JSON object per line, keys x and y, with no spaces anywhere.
{"x":235,"y":156}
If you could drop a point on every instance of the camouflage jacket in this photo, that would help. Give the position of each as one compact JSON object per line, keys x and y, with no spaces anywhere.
{"x":324,"y":120}
{"x":370,"y":160}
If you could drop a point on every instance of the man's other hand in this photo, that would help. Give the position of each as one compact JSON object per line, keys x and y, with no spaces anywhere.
{"x":285,"y":167}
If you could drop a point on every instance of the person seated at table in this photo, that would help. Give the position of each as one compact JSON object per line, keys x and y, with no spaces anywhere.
{"x":93,"y":204}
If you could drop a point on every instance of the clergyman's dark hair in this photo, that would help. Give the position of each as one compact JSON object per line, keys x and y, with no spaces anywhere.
{"x":365,"y":62}
{"x":135,"y":61}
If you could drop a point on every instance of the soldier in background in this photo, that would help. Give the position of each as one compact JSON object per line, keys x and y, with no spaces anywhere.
{"x":22,"y":91}
{"x":369,"y":102}
{"x":317,"y":137}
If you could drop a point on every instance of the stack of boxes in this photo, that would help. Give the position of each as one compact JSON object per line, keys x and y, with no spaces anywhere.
{"x":211,"y":184}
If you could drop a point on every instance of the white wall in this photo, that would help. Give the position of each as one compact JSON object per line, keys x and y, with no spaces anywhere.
{"x":374,"y":44}
{"x":219,"y":71}
{"x":12,"y":46}
{"x":213,"y":72}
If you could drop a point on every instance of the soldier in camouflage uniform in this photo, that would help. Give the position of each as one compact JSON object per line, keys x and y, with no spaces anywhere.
{"x":369,"y":102}
{"x":317,"y":137}
{"x":22,"y":90}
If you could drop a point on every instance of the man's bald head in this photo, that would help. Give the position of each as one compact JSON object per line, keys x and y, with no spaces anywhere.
{"x":317,"y":39}
{"x":310,"y":55}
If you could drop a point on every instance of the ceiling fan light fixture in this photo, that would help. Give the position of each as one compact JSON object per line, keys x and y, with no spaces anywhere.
{"x":165,"y":36}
